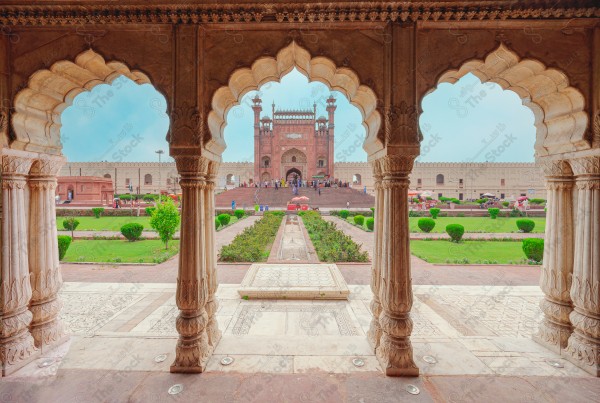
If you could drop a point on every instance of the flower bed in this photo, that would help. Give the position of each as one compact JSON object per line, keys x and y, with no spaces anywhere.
{"x":254,"y":243}
{"x":331,"y":244}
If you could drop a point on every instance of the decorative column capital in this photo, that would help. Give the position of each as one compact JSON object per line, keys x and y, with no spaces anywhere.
{"x":395,"y":165}
{"x":192,"y":165}
{"x":556,"y":169}
{"x":15,"y":165}
{"x":47,"y":166}
{"x":586,"y":166}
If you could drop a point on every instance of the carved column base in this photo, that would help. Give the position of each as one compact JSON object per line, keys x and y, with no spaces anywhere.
{"x":374,"y":333}
{"x":583,"y":348}
{"x":17,"y":347}
{"x":555,"y":328}
{"x":47,"y":329}
{"x":193,"y":350}
{"x":395,"y":352}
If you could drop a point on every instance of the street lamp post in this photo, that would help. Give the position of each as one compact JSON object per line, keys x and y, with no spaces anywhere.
{"x":159,"y":152}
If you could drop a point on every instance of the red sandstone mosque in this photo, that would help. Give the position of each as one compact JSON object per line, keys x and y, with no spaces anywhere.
{"x":293,"y":143}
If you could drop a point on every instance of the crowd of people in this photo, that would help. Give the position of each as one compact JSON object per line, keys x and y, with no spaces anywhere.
{"x":298,"y":182}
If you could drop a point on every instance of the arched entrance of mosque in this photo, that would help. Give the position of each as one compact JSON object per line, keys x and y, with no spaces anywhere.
{"x":30,"y":165}
{"x":266,"y":177}
{"x":293,"y":173}
{"x":562,"y":150}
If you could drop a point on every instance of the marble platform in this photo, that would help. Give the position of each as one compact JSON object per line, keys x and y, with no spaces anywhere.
{"x":294,"y":281}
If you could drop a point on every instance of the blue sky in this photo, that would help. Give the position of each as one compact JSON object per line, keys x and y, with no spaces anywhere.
{"x":464,"y":122}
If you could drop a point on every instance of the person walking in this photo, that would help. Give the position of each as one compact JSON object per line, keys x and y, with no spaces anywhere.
{"x":347,"y":205}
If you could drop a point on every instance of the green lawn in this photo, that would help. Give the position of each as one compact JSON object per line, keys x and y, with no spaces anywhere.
{"x":105,"y":223}
{"x":473,"y":251}
{"x":480,"y":224}
{"x":101,"y":251}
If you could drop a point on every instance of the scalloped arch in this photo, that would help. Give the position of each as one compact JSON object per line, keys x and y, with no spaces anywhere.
{"x":266,"y":69}
{"x":558,"y":109}
{"x":36,"y":121}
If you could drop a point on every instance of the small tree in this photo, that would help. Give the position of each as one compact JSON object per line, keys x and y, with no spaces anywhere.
{"x":370,"y":223}
{"x":71,"y":224}
{"x":494,"y":212}
{"x":426,"y":224}
{"x":98,"y":211}
{"x":505,"y":204}
{"x":64,"y":241}
{"x":434,"y":212}
{"x":165,"y":220}
{"x":149,"y":211}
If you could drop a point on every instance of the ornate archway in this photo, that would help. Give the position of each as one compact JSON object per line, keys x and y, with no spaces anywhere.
{"x":293,"y":173}
{"x":318,"y":68}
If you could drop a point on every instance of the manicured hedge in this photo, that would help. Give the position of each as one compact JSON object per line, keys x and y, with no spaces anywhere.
{"x":217,"y":223}
{"x":434,"y":212}
{"x":97,"y":211}
{"x":331,"y":244}
{"x":426,"y":224}
{"x":494,"y":211}
{"x":254,"y":243}
{"x":64,"y":241}
{"x":239,"y":213}
{"x":224,"y":219}
{"x":456,"y":232}
{"x":370,"y":223}
{"x":359,"y":219}
{"x":132,"y":231}
{"x":344,"y":214}
{"x":526,"y":225}
{"x":534,"y":249}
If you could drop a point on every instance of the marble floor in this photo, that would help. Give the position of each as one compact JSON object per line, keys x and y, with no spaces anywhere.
{"x":468,"y":330}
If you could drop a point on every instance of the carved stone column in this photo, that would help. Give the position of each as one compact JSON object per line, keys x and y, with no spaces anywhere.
{"x":395,"y":352}
{"x":46,"y":279}
{"x":212,"y":305}
{"x":17,"y":346}
{"x":193,"y":349}
{"x":555,"y":279}
{"x":374,"y":333}
{"x":583,"y":347}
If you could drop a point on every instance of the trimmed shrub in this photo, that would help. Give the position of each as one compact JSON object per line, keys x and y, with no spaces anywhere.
{"x":344,"y":214}
{"x":537,"y":201}
{"x":426,"y":224}
{"x":525,"y":224}
{"x":132,"y":231}
{"x":256,"y":207}
{"x":456,"y":232}
{"x":480,"y":201}
{"x":534,"y":249}
{"x":370,"y":223}
{"x":126,"y":197}
{"x":150,"y":198}
{"x":412,"y":213}
{"x":97,"y":211}
{"x":239,"y":213}
{"x":515,"y":212}
{"x":150,"y":210}
{"x":70,"y":223}
{"x":434,"y":212}
{"x":505,"y":204}
{"x":455,"y":201}
{"x":224,"y":219}
{"x":445,"y":199}
{"x":64,"y":241}
{"x":217,"y":223}
{"x":359,"y":220}
{"x":494,"y":211}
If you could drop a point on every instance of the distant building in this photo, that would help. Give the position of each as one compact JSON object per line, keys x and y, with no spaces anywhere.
{"x":293,"y":143}
{"x":85,"y":189}
{"x":450,"y":179}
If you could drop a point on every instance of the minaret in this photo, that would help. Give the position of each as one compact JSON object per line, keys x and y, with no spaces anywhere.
{"x":330,"y":134}
{"x":257,"y":108}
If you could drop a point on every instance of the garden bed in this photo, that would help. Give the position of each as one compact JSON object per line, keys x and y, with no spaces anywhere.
{"x":331,"y":244}
{"x":254,"y":243}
